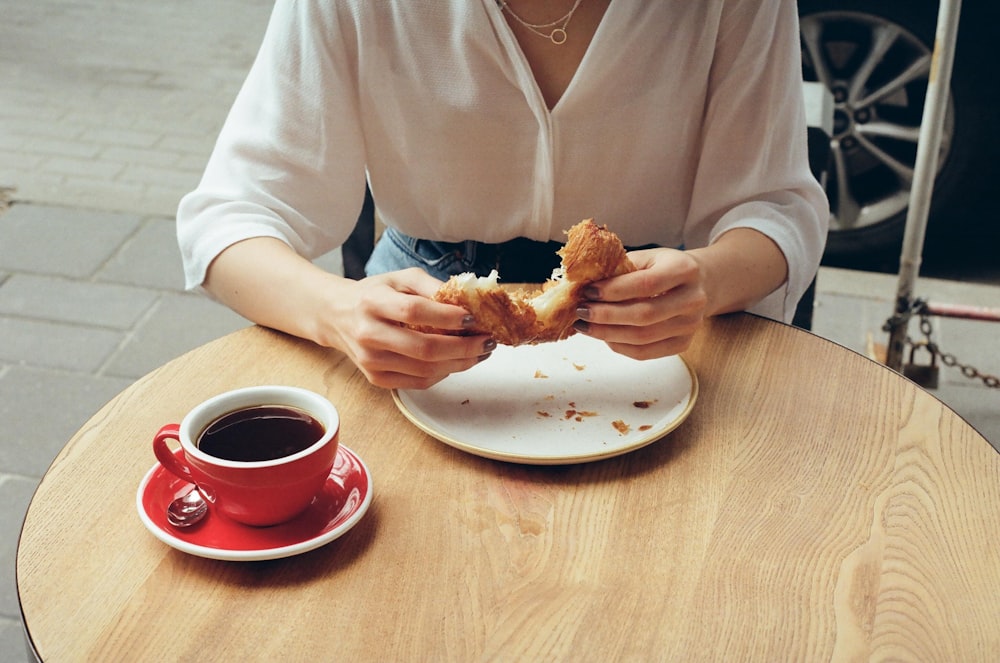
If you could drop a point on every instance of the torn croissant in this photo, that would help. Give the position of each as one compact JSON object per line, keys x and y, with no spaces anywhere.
{"x":591,"y":253}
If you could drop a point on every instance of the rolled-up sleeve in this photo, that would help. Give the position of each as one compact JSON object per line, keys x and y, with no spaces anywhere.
{"x":753,"y":169}
{"x":289,"y":161}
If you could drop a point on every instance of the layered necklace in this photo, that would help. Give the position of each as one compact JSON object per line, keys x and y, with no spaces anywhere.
{"x":554,"y":31}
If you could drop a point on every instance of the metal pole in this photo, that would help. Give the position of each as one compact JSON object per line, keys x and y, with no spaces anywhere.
{"x":962,"y":311}
{"x":928,"y":148}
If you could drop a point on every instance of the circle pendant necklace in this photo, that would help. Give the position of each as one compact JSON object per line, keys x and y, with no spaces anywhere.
{"x":556,"y":29}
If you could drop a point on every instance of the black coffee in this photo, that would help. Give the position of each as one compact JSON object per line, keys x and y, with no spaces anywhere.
{"x":263,"y":432}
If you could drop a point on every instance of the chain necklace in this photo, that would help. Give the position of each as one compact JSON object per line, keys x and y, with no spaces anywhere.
{"x":556,"y":29}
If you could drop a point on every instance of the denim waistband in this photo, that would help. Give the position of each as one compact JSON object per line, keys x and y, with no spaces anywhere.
{"x":519,"y":260}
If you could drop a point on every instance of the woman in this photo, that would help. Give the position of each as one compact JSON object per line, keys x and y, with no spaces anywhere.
{"x":678,"y":124}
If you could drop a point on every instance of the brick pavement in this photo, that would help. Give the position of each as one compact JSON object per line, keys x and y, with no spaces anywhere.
{"x":108,"y":111}
{"x":114,"y":105}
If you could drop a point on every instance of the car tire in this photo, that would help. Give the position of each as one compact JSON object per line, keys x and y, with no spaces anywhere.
{"x":873,"y":148}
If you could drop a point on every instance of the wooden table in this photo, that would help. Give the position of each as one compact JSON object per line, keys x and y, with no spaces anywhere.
{"x":815,"y":506}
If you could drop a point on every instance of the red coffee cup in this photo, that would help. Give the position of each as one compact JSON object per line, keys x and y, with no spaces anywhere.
{"x":273,"y":448}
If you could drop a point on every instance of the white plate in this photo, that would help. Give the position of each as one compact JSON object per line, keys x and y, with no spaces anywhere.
{"x":568,"y":402}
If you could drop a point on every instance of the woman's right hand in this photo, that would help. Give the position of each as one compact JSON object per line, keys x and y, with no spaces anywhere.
{"x":265,"y":281}
{"x":372,"y":322}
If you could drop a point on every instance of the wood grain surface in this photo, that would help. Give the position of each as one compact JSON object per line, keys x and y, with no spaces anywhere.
{"x":815,"y":506}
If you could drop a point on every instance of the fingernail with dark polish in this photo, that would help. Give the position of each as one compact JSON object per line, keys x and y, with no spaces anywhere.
{"x":590,"y":292}
{"x":468,"y":322}
{"x":581,"y":326}
{"x":490,"y":345}
{"x":583,"y":312}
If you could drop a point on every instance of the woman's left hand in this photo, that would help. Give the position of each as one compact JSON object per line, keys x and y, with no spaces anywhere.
{"x":652,"y":312}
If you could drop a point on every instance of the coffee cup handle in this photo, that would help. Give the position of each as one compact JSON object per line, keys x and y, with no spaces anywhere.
{"x":167,"y":458}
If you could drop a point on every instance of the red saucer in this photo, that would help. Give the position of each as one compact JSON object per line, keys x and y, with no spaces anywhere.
{"x":344,"y":500}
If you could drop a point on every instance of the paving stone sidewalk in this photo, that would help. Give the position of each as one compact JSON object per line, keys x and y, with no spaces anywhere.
{"x":115,"y":105}
{"x":108,"y":111}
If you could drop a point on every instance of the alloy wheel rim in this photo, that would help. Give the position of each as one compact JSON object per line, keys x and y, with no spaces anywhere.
{"x":877,"y":72}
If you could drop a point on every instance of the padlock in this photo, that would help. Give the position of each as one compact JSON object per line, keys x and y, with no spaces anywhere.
{"x":926,"y":375}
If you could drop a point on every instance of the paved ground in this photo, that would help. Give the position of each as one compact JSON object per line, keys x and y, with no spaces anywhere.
{"x":108,"y":111}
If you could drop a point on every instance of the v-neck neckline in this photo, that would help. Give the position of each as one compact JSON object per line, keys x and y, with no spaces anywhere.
{"x":525,"y":73}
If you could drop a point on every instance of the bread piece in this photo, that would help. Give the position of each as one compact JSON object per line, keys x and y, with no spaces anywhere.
{"x":509,"y":319}
{"x":591,"y":253}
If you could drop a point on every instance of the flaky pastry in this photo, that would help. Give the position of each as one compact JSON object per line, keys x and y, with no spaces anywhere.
{"x":591,"y":253}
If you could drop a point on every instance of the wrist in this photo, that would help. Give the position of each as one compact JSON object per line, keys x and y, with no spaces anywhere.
{"x":740,"y":268}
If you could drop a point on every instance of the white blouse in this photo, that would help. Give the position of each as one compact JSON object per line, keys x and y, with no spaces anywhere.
{"x":685,"y":119}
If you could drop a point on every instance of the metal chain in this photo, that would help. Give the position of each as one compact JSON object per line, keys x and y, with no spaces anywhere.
{"x":948,"y":359}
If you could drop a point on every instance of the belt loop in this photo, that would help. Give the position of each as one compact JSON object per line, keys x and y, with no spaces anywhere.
{"x":498,"y":256}
{"x":470,"y":254}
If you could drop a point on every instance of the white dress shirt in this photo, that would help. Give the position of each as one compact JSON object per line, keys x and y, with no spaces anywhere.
{"x":684,"y":120}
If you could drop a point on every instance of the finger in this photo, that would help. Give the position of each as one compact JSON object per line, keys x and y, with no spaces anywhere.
{"x":390,"y":370}
{"x":396,"y":380}
{"x":427,"y":313}
{"x":410,"y":308}
{"x":683,"y":301}
{"x":414,"y":304}
{"x":674,"y":327}
{"x":662,"y":340}
{"x":412,"y":280}
{"x":658,"y":271}
{"x":665,"y":348}
{"x":383,"y":346}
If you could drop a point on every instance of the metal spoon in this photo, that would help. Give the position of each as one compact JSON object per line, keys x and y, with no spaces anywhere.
{"x":187,"y":510}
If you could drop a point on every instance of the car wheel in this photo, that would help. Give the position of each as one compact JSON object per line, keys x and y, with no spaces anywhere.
{"x":875,"y":58}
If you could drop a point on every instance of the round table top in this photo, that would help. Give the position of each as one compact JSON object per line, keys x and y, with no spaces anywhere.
{"x":814,"y":506}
